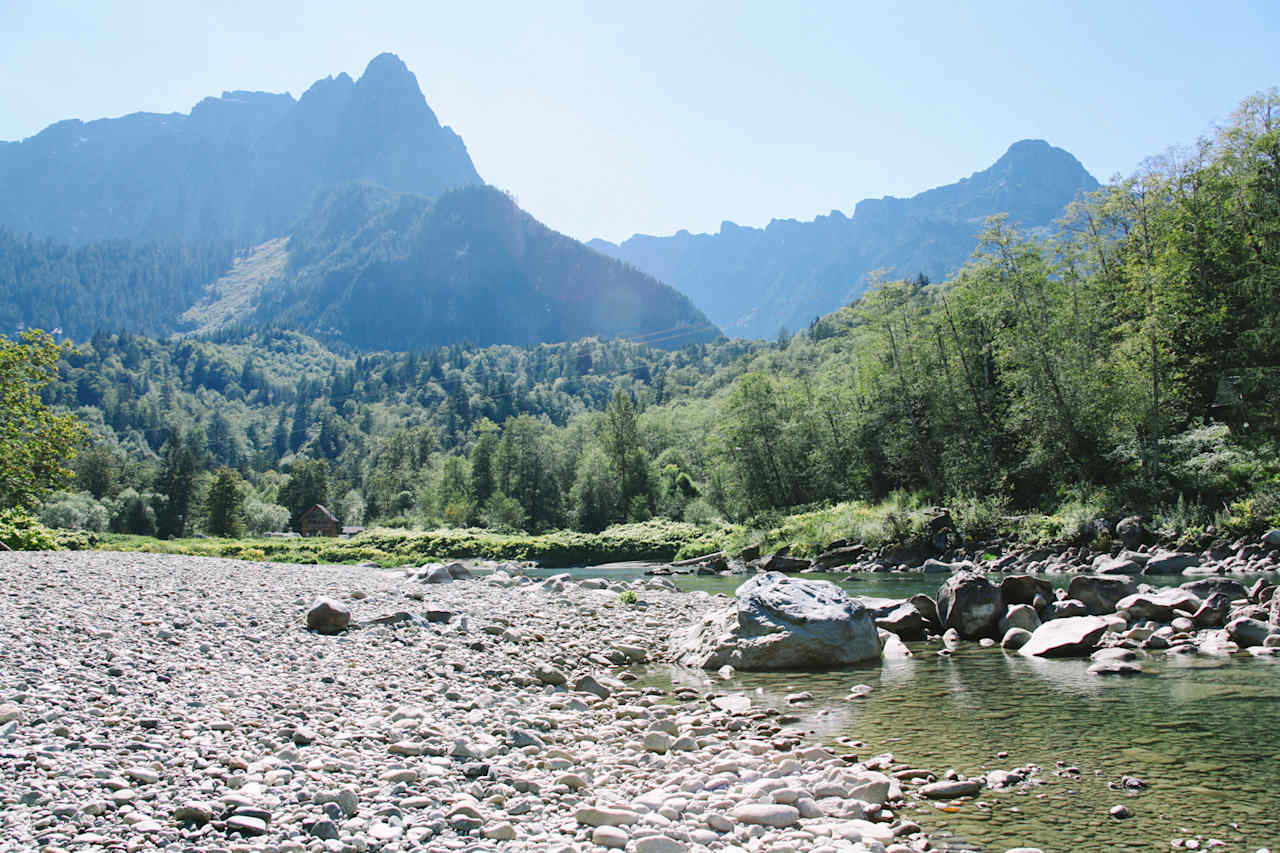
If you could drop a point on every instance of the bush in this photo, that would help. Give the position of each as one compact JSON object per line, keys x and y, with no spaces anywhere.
{"x":261,"y":517}
{"x":74,"y":511}
{"x":21,"y":532}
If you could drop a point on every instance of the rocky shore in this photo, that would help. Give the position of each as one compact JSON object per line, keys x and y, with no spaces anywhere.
{"x":181,"y":702}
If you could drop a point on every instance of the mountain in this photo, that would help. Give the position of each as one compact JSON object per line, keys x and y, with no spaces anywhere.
{"x":357,"y":217}
{"x":242,"y":166}
{"x":751,"y":281}
{"x":376,"y":269}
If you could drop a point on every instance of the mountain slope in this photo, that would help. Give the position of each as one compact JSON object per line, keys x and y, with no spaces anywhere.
{"x":750,"y":281}
{"x":242,"y":166}
{"x":379,"y":270}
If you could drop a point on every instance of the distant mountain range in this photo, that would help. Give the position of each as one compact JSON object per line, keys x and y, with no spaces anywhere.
{"x":752,"y":281}
{"x":243,"y":166}
{"x":358,"y":218}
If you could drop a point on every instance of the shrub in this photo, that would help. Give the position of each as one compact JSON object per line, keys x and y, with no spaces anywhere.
{"x":261,"y":517}
{"x":627,"y":596}
{"x":74,"y":511}
{"x":21,"y":532}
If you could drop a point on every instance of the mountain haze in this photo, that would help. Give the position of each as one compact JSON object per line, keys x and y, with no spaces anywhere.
{"x":376,"y":270}
{"x":357,"y":218}
{"x":242,"y":166}
{"x":751,"y":281}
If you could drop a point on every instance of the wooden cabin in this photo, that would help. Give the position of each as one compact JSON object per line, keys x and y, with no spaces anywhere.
{"x":318,"y":521}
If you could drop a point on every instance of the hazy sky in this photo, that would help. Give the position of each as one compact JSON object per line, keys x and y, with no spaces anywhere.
{"x":606,"y":119}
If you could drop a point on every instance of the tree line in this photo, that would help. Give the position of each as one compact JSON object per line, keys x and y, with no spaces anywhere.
{"x":1133,"y":353}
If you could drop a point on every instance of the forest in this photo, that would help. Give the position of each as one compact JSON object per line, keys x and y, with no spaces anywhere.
{"x":1126,"y":363}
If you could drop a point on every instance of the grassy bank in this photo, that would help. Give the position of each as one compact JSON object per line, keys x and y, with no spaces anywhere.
{"x":978,"y":526}
{"x":653,"y":540}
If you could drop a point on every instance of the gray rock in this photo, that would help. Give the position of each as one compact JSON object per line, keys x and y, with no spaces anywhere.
{"x":1170,"y":563}
{"x":327,"y":616}
{"x":1015,"y":638}
{"x":784,"y":563}
{"x":1249,"y":632}
{"x":903,"y":620}
{"x":780,"y":623}
{"x":1214,"y":612}
{"x":1119,"y":565}
{"x":970,"y":604}
{"x":588,"y":684}
{"x":1064,"y":609}
{"x":1100,"y":594}
{"x":1022,"y":589}
{"x":1073,"y":636}
{"x":1129,"y":531}
{"x":1019,"y":616}
{"x":928,"y":610}
{"x":1205,"y":587}
{"x":1115,"y":667}
{"x":1271,"y":539}
{"x":947,"y":789}
{"x":1160,"y":606}
{"x":766,"y":814}
{"x":457,"y":571}
{"x":436,"y":574}
{"x":548,"y":674}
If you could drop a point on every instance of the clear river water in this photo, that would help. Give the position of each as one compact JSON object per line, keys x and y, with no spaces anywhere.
{"x":1202,"y":732}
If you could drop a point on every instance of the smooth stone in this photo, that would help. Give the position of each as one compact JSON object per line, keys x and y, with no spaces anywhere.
{"x":947,"y":789}
{"x":766,"y":814}
{"x":327,"y":616}
{"x":1068,"y":637}
{"x":605,"y":816}
{"x":610,"y":836}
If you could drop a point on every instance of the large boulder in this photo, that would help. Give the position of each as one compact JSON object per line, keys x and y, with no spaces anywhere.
{"x":1161,"y":606}
{"x":928,"y":609}
{"x":1214,"y":612}
{"x":1170,"y":563}
{"x":1205,"y":587}
{"x":971,"y":604}
{"x":1129,"y":531}
{"x":784,"y":563}
{"x":327,"y":616}
{"x":777,"y":622}
{"x":1100,"y":594}
{"x":1074,"y":636}
{"x":1249,"y":632}
{"x":1022,"y":589}
{"x":904,"y":620}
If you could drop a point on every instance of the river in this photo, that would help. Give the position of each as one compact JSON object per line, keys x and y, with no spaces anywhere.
{"x":1202,"y":732}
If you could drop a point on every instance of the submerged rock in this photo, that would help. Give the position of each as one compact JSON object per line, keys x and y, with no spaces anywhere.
{"x":779,"y":623}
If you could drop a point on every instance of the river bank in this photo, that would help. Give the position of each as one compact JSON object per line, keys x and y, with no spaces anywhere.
{"x":155,"y":700}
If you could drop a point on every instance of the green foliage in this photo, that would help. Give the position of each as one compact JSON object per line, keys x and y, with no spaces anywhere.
{"x":307,"y":486}
{"x":21,"y":532}
{"x":224,"y":505}
{"x":261,"y":517}
{"x":74,"y":511}
{"x":628,"y":597}
{"x":35,"y":443}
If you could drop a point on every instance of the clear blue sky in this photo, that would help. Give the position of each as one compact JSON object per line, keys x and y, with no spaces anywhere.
{"x":606,"y":119}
